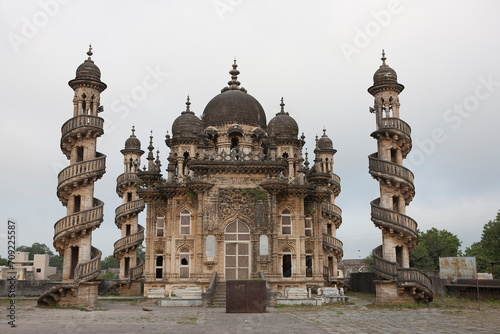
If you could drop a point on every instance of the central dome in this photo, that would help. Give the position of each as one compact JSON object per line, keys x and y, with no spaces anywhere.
{"x":234,"y":105}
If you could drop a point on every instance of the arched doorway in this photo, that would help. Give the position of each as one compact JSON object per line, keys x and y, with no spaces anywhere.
{"x":237,"y":250}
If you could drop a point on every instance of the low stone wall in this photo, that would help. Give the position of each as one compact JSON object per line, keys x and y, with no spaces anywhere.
{"x":26,"y":288}
{"x":36,"y":288}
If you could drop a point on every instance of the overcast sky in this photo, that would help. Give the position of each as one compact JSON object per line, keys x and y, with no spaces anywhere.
{"x":319,"y":55}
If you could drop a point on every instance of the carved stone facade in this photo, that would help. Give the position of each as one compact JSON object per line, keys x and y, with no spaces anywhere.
{"x":240,"y":199}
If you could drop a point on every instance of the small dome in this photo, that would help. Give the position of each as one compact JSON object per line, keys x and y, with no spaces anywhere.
{"x":234,"y":106}
{"x":187,"y":125}
{"x":88,"y":70}
{"x":325,"y":143}
{"x":133,"y":143}
{"x":384,"y":74}
{"x":283,"y":125}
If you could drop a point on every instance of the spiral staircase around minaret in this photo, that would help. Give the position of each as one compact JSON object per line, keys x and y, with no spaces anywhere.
{"x":399,"y":283}
{"x":75,"y":189}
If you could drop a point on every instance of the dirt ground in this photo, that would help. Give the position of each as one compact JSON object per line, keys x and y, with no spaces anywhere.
{"x":136,"y":316}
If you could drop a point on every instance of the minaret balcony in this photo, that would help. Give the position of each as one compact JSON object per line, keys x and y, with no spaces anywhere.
{"x":393,"y":220}
{"x":88,"y":271}
{"x":79,"y":172}
{"x":394,"y":124}
{"x":78,"y":222}
{"x":127,"y":209}
{"x":82,"y":123}
{"x":333,"y":243}
{"x":129,"y":242}
{"x":331,"y":210}
{"x":125,"y":180}
{"x":389,"y":170}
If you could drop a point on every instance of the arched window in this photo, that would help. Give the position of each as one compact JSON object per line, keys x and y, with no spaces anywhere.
{"x":286,"y":222}
{"x":184,"y":263}
{"x":160,"y":226}
{"x":185,"y":222}
{"x":287,"y":262}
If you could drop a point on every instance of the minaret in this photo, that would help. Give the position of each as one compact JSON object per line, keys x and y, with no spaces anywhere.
{"x":73,"y":233}
{"x":399,"y":232}
{"x":324,"y":177}
{"x":127,"y":215}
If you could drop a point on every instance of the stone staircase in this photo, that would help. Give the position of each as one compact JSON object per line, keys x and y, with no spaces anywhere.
{"x":219,"y":298}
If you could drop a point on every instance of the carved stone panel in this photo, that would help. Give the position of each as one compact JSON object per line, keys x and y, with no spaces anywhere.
{"x":236,"y":200}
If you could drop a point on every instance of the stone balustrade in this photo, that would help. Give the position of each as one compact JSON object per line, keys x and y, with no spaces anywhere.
{"x":87,"y":271}
{"x":82,"y":121}
{"x":129,"y":208}
{"x":390,"y":169}
{"x":80,"y":220}
{"x":393,"y":220}
{"x":82,"y":170}
{"x":394,"y":123}
{"x":332,"y":242}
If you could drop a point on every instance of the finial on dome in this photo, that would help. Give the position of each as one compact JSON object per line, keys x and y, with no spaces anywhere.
{"x":324,"y":132}
{"x":383,"y":58}
{"x":89,"y":53}
{"x":133,"y":131}
{"x":234,"y":84}
{"x":282,"y":106}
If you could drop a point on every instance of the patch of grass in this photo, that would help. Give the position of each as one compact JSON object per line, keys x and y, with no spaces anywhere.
{"x":186,"y":320}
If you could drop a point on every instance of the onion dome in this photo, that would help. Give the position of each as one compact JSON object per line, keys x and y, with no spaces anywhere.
{"x":88,"y":71}
{"x":324,"y":143}
{"x":283,"y":125}
{"x":234,"y":106}
{"x":133,"y":143}
{"x":385,"y":76}
{"x":187,"y":125}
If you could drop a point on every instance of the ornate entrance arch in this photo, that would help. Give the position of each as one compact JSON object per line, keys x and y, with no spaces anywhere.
{"x":237,"y":250}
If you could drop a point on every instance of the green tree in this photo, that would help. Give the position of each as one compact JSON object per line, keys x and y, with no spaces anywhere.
{"x":490,"y":239}
{"x":109,"y":262}
{"x":437,"y":243}
{"x":4,"y":262}
{"x":56,"y":261}
{"x":141,"y":253}
{"x":488,"y":249}
{"x":482,"y":261}
{"x":36,"y":248}
{"x":369,"y":262}
{"x":421,"y":259}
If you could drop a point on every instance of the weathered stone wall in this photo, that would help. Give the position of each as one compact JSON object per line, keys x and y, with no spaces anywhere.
{"x":26,"y":288}
{"x":39,"y":287}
